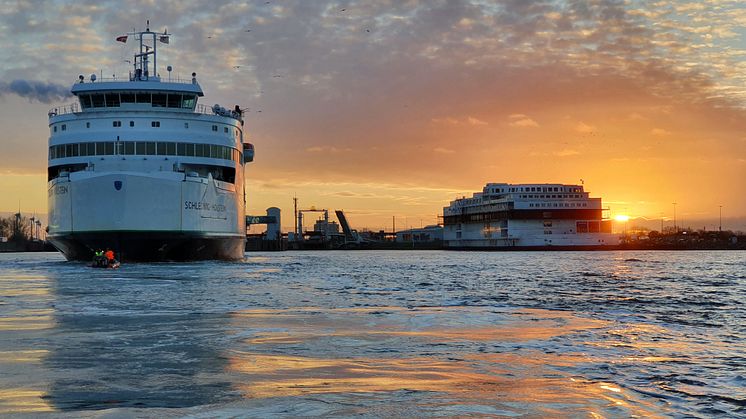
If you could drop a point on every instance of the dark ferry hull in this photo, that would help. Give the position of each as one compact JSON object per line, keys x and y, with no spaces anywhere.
{"x":150,"y":246}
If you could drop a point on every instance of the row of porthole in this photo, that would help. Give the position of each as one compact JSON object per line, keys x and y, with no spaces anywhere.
{"x":560,"y":205}
{"x":153,"y":124}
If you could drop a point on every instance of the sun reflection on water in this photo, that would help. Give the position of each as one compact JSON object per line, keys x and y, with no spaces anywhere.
{"x":525,"y":374}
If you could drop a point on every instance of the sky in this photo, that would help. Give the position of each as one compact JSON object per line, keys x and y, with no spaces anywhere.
{"x":394,"y":108}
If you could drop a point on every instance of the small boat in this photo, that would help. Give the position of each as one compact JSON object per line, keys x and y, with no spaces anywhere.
{"x":104,"y":263}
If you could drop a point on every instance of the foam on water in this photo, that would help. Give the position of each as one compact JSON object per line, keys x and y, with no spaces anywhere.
{"x":378,"y":334}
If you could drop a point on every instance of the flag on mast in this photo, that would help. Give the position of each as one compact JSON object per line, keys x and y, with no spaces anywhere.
{"x":122,"y":38}
{"x":164,"y":39}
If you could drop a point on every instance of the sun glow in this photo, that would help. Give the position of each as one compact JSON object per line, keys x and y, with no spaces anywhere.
{"x":622,"y":218}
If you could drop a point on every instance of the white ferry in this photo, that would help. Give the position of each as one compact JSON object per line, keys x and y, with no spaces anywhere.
{"x":527,"y":217}
{"x":138,"y":166}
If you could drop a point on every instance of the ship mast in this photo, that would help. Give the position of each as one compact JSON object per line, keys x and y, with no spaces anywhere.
{"x":148,"y":47}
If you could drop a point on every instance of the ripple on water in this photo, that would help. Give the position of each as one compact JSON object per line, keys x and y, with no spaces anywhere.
{"x":378,"y":334}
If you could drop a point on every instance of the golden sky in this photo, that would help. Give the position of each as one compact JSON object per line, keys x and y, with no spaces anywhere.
{"x":394,"y":108}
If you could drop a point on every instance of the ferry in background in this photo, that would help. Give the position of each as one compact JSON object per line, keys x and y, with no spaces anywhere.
{"x":138,"y":166}
{"x":527,"y":217}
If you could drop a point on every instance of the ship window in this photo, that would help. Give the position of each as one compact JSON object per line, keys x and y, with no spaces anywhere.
{"x":64,"y":127}
{"x":150,"y":148}
{"x":190,"y":150}
{"x":109,"y":147}
{"x":186,"y":125}
{"x":174,"y":101}
{"x":132,"y":123}
{"x":155,"y":124}
{"x":83,"y":149}
{"x":90,"y":149}
{"x":214,"y":151}
{"x":159,"y":100}
{"x":55,"y":128}
{"x":161,"y":148}
{"x":112,"y":100}
{"x":214,"y":127}
{"x":100,"y":149}
{"x":199,"y":150}
{"x":188,"y":102}
{"x":181,"y":149}
{"x":97,"y":101}
{"x":171,"y":149}
{"x":140,"y":148}
{"x":127,"y":97}
{"x":85,"y":101}
{"x":87,"y":124}
{"x":129,"y":147}
{"x":225,"y":174}
{"x":116,"y":123}
{"x":54,"y":171}
{"x":225,"y":130}
{"x":143,"y":98}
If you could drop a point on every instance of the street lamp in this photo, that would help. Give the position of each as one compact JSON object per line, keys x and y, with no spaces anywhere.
{"x":676,"y":229}
{"x":720,"y":228}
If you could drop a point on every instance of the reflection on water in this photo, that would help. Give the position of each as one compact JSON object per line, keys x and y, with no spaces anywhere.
{"x":115,"y":354}
{"x":378,"y":334}
{"x":404,"y":349}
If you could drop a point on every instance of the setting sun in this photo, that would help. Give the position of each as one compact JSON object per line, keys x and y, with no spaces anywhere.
{"x":622,"y":218}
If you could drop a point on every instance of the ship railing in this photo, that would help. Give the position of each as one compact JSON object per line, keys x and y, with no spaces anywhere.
{"x":132,"y":78}
{"x":64,"y":109}
{"x":200,"y":108}
{"x":220,"y":111}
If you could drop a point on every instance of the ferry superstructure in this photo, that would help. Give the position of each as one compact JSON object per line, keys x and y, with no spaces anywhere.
{"x":527,"y":216}
{"x":138,"y":166}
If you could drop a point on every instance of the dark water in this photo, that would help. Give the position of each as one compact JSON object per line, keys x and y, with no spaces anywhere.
{"x":378,"y":334}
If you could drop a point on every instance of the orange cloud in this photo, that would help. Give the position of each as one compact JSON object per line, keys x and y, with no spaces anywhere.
{"x":521,"y":120}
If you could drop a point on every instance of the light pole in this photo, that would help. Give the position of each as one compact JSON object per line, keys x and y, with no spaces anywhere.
{"x":676,"y":229}
{"x":661,"y":223}
{"x":720,"y":228}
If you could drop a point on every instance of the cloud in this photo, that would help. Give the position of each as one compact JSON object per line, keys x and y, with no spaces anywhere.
{"x":357,"y":79}
{"x":566,"y":153}
{"x":474,"y":121}
{"x":584,"y":128}
{"x":455,"y":122}
{"x":522,"y":121}
{"x":36,"y":90}
{"x":445,"y":121}
{"x":660,"y":132}
{"x":329,"y":149}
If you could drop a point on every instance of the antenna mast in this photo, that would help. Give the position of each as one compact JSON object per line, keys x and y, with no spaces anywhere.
{"x":148,"y":46}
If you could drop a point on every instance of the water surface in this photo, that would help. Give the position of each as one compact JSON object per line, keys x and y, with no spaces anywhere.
{"x":377,"y":333}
